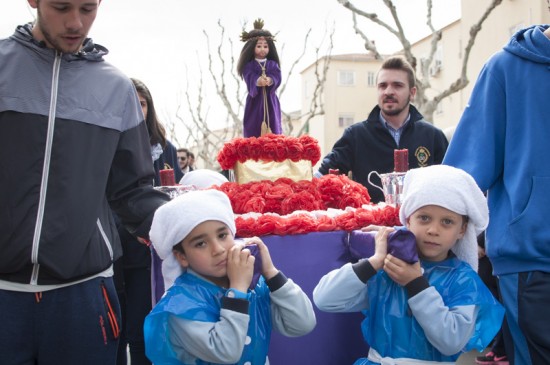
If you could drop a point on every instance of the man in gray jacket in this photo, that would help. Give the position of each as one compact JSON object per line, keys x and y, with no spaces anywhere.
{"x":73,"y":146}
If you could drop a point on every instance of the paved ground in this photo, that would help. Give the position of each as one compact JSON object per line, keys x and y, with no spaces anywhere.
{"x":468,"y":358}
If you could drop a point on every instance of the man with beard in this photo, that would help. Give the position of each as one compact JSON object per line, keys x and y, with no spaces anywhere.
{"x":393,"y":124}
{"x":73,"y":146}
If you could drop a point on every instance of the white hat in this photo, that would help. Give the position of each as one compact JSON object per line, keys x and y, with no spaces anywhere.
{"x":203,"y":178}
{"x":453,"y":189}
{"x":174,"y":220}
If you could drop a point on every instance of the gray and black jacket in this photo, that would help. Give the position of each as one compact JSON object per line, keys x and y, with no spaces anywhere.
{"x":73,"y":145}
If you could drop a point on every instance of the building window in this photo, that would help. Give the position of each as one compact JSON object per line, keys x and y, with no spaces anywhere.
{"x":346,"y":78}
{"x":371,"y":79}
{"x":345,"y":120}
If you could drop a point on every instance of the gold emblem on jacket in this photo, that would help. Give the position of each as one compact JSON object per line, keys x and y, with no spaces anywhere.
{"x":422,"y":156}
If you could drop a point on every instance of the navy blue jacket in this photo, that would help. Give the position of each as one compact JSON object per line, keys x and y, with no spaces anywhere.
{"x":368,"y":146}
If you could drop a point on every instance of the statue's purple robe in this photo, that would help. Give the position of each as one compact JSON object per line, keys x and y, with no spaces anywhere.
{"x":254,"y":108}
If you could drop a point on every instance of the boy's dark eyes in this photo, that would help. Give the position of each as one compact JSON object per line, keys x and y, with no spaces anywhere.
{"x":200,"y":243}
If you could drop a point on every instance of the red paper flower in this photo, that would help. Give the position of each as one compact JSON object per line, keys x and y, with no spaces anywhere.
{"x":246,"y":227}
{"x":254,"y":204}
{"x":295,"y":150}
{"x":239,"y":201}
{"x":267,"y":224}
{"x":326,"y":224}
{"x":302,"y":200}
{"x":297,"y":224}
{"x":346,"y":221}
{"x":279,"y":191}
{"x":312,"y":151}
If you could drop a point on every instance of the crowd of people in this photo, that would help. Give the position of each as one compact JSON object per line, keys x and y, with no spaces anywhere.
{"x":83,"y":222}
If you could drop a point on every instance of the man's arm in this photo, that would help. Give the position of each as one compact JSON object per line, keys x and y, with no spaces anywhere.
{"x":341,"y":157}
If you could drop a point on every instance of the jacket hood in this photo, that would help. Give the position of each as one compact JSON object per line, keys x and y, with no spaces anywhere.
{"x":531,"y":44}
{"x":89,"y":52}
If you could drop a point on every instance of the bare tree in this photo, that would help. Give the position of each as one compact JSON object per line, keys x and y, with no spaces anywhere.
{"x":427,"y":106}
{"x":231,"y":93}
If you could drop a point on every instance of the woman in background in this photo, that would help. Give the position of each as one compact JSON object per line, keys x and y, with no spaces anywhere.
{"x":133,"y":269}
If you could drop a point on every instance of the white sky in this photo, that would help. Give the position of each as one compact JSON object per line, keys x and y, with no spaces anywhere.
{"x":157,"y":40}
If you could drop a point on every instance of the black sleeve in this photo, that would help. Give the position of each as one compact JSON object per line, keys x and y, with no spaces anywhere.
{"x":364,"y":270}
{"x":416,"y":286}
{"x":130,"y":186}
{"x":341,"y":157}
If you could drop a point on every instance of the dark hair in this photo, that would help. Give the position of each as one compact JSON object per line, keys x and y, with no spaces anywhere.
{"x":157,"y":133}
{"x":247,"y":53}
{"x":178,"y":247}
{"x":400,"y":63}
{"x":183,"y":149}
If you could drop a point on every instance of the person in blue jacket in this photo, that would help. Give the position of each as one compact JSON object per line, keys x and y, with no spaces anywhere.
{"x":214,"y":313}
{"x":434,"y":309}
{"x":502,"y":140}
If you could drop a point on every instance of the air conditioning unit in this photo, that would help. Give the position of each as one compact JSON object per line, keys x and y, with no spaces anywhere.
{"x":435,"y":68}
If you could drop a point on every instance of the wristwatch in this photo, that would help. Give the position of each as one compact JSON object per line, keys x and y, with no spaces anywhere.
{"x":237,"y":294}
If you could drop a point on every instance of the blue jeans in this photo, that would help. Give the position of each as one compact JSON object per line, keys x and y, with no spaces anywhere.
{"x":72,"y":325}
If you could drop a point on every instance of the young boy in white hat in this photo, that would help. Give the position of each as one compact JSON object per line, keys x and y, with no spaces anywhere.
{"x":209,"y":314}
{"x":437,"y":308}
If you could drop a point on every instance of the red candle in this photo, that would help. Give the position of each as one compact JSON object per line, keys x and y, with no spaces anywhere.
{"x":167,"y":177}
{"x":401,"y":160}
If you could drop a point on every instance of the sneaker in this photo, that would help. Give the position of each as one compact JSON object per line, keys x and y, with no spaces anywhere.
{"x":491,"y":359}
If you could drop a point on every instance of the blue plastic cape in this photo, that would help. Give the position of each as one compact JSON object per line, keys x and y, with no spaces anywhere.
{"x":390,"y":328}
{"x":194,"y":298}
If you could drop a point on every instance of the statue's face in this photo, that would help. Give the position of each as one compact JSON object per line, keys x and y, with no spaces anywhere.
{"x":262,"y":48}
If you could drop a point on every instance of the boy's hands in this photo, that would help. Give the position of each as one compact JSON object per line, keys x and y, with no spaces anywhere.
{"x":268,"y":269}
{"x":240,"y":267}
{"x":400,"y":271}
{"x":380,"y":247}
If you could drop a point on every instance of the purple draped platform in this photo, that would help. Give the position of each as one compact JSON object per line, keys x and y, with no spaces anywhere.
{"x":305,"y":258}
{"x":337,"y":338}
